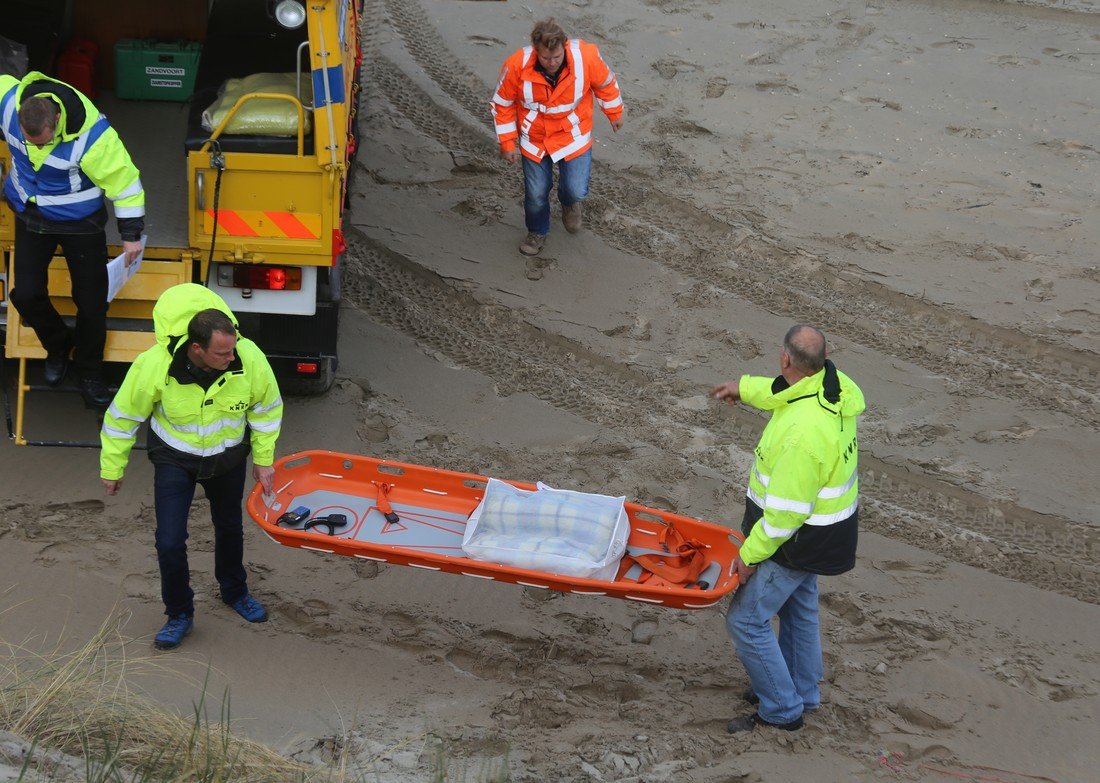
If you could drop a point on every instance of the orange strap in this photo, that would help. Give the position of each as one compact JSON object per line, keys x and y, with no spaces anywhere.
{"x":383,"y":499}
{"x":383,"y":503}
{"x":680,"y":561}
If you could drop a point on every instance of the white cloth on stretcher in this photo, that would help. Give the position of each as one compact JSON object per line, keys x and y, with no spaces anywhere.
{"x":553,"y":530}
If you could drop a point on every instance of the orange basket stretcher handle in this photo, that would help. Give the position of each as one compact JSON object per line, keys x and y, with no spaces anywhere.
{"x":383,"y":502}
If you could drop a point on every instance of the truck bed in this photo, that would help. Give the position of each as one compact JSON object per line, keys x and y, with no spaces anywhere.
{"x":153,"y":132}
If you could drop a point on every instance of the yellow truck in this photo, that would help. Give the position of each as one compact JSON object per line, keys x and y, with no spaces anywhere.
{"x":250,"y":209}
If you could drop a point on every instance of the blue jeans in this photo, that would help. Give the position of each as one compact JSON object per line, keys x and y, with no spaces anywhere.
{"x":173,"y":491}
{"x":538,"y":181}
{"x":784,"y":672}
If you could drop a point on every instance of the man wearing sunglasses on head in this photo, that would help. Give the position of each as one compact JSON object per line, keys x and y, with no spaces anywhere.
{"x":211,"y":399}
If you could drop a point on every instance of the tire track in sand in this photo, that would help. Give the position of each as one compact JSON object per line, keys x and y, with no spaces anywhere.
{"x":999,"y":536}
{"x":743,"y":261}
{"x":900,"y":501}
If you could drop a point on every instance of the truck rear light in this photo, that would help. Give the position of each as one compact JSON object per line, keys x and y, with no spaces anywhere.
{"x":266,"y":278}
{"x":307,"y":368}
{"x":339,"y":242}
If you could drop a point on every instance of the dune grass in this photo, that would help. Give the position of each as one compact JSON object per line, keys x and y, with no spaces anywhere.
{"x":79,"y":702}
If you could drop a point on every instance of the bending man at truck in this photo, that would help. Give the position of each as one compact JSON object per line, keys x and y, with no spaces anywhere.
{"x":801,"y":520}
{"x":211,"y":397}
{"x":543,"y":101}
{"x":65,"y":158}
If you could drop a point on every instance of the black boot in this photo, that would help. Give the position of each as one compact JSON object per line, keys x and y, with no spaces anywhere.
{"x":95,"y":393}
{"x":57,"y":362}
{"x":749,"y":722}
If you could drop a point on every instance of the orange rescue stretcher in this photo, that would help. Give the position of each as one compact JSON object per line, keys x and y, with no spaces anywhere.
{"x":411,"y":515}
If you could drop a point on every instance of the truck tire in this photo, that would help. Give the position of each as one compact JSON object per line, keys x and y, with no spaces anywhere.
{"x":310,"y":387}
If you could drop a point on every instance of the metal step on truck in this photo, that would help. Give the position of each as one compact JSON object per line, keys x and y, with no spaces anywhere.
{"x":241,"y":116}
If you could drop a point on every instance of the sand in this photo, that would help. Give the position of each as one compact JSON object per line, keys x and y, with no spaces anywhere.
{"x":917,"y":179}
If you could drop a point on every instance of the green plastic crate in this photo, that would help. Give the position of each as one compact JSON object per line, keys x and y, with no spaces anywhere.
{"x":155,"y":70}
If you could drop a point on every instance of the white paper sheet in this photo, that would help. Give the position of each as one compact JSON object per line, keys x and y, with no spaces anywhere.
{"x":118,"y":274}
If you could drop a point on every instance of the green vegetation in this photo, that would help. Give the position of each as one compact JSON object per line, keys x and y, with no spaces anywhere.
{"x":80,"y":703}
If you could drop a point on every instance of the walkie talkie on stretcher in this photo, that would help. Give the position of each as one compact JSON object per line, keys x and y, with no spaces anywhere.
{"x":294,"y":517}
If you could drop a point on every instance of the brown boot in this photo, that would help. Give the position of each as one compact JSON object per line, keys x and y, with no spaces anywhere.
{"x":571,"y":217}
{"x":532,"y":245}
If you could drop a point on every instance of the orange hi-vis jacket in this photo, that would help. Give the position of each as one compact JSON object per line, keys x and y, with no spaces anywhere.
{"x":554,"y":121}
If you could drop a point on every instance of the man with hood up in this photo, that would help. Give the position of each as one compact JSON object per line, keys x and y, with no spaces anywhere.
{"x":211,"y":398}
{"x":801,"y":520}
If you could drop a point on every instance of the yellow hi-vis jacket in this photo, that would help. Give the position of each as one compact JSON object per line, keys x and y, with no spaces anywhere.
{"x":68,"y":177}
{"x":805,"y":477}
{"x":196,"y":422}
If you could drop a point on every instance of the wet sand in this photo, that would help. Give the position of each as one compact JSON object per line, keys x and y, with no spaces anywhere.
{"x":916,"y":179}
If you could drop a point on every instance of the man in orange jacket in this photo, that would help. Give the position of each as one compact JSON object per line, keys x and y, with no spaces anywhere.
{"x":544,"y":100}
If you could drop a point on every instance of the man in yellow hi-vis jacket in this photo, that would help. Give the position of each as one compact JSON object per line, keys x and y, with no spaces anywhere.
{"x":801,"y":520}
{"x":211,"y":397}
{"x":65,"y":158}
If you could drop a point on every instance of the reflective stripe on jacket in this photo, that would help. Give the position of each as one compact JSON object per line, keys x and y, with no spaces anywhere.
{"x":191,"y":420}
{"x":805,"y":478}
{"x":553,"y":120}
{"x":68,"y":177}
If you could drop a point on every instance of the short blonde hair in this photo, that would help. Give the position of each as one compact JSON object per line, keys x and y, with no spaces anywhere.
{"x":547,"y":32}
